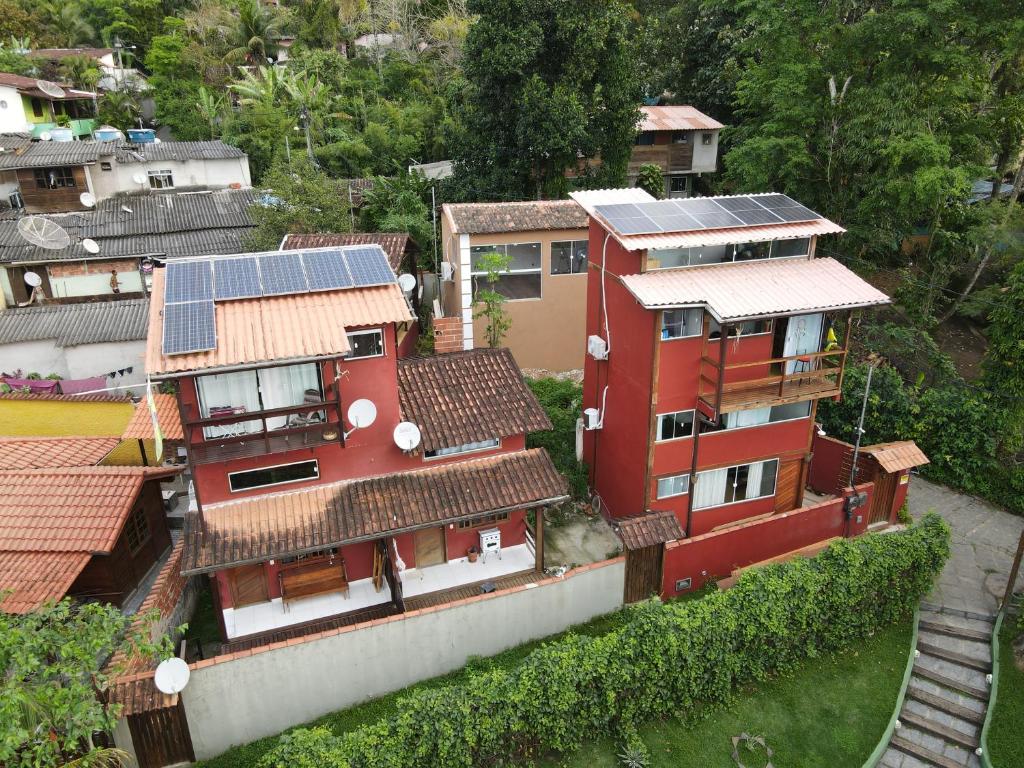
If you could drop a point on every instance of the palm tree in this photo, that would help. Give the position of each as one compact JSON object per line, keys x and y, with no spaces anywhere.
{"x":66,"y":23}
{"x":119,"y":109}
{"x":263,"y":87}
{"x":257,"y":29}
{"x":210,"y":107}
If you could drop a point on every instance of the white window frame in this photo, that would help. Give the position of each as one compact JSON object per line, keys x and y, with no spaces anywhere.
{"x":492,"y":444}
{"x":539,"y":271}
{"x":660,"y":480}
{"x":769,"y":320}
{"x":724,"y":428}
{"x":661,"y":331}
{"x":657,"y":425}
{"x":160,"y":174}
{"x":383,"y":346}
{"x":730,"y":253}
{"x":775,"y":483}
{"x":572,"y":243}
{"x":316,"y":464}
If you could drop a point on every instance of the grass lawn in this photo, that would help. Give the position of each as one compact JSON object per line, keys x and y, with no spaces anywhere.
{"x":830,"y":712}
{"x":1006,"y":747}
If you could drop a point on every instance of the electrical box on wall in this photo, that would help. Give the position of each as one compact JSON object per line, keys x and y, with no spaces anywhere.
{"x":684,"y":584}
{"x":597,"y":348}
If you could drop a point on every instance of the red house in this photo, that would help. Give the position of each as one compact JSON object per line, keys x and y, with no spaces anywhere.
{"x":713,"y":331}
{"x":335,"y":477}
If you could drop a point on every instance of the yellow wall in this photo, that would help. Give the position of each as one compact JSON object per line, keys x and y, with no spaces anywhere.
{"x":56,"y":418}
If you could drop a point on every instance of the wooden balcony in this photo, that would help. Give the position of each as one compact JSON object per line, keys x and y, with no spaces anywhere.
{"x":671,"y":158}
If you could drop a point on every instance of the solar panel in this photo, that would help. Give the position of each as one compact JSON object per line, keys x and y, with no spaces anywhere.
{"x":326,"y":270}
{"x":796,"y":213}
{"x":776,"y":201}
{"x":679,"y":222}
{"x":628,"y":219}
{"x":697,"y":205}
{"x":189,"y":327}
{"x":236,"y":278}
{"x":369,"y":266}
{"x":739,"y":204}
{"x":282,"y":273}
{"x":754,"y":218}
{"x":716,"y":220}
{"x":188,"y":281}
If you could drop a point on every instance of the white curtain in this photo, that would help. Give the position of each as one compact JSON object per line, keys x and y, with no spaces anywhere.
{"x":803,"y":336}
{"x":286,"y":386}
{"x":748,"y":418}
{"x":229,"y":390}
{"x":754,"y":475}
{"x":709,"y":489}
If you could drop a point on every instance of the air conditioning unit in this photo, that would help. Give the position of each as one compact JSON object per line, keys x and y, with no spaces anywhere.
{"x":447,"y":271}
{"x":597,"y":348}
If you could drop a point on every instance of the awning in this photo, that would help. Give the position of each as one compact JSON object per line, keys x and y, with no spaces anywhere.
{"x":897,"y":456}
{"x":649,"y":529}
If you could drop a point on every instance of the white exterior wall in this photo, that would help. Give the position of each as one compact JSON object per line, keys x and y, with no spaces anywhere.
{"x":97,"y":284}
{"x":12,"y":117}
{"x":705,"y":158}
{"x":81,"y":362}
{"x":193,"y":174}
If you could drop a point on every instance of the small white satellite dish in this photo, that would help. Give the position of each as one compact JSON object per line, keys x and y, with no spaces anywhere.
{"x":156,"y":140}
{"x":171,"y":675}
{"x":406,"y":282}
{"x":126,"y":209}
{"x":139,"y":178}
{"x":45,"y":136}
{"x":88,"y":199}
{"x":362,"y":413}
{"x":407,"y":435}
{"x":31,"y":278}
{"x":50,"y":89}
{"x":90,"y":245}
{"x":40,"y":231}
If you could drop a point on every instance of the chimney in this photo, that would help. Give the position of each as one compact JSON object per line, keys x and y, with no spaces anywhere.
{"x":447,"y":334}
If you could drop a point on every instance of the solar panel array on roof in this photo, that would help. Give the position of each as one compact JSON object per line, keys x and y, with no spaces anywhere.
{"x":693,"y":214}
{"x":282,"y":273}
{"x":237,"y":279}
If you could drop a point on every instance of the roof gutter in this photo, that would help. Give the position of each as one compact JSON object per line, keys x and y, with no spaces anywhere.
{"x":275,"y":363}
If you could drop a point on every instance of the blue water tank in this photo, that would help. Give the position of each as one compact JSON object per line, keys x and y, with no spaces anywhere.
{"x":141,"y":135}
{"x":107,"y":133}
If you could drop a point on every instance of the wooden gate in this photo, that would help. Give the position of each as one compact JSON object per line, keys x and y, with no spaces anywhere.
{"x":883,"y":496}
{"x":643,"y":572}
{"x":161,"y":737}
{"x":248,"y":585}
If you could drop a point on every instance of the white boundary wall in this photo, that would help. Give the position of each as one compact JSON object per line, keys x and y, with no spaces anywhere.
{"x":245,"y":696}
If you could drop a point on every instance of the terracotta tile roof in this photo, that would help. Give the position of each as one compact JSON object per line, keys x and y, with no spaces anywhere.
{"x":53,"y":452}
{"x":648,"y":530}
{"x":277,"y":328}
{"x":140,"y":427}
{"x":393,"y":243}
{"x":897,"y":456}
{"x":756,"y":288}
{"x":278,"y":525}
{"x":137,"y":693}
{"x":465,"y":397}
{"x":35,"y":577}
{"x":30,"y":85}
{"x":676,"y":118}
{"x":487,"y":218}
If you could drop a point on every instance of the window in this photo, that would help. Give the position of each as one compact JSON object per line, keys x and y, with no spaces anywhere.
{"x":522,"y":279}
{"x":746,"y":328}
{"x":54,"y":178}
{"x":569,"y":257}
{"x":479,"y":445}
{"x":672,"y":426}
{"x":105,"y":166}
{"x":786,"y":248}
{"x":366,"y":344}
{"x":729,"y":485}
{"x":752,"y":251}
{"x":645,"y":139}
{"x":688,"y":257}
{"x":476,"y":522}
{"x":682,"y":323}
{"x":679,"y":184}
{"x":707,"y":138}
{"x":37,"y":107}
{"x":680,"y":137}
{"x":282,"y":473}
{"x":753,"y":417}
{"x":136,"y":529}
{"x":676,"y":485}
{"x":161,"y":180}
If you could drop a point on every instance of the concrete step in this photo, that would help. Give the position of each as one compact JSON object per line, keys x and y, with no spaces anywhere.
{"x":916,"y":693}
{"x":935,"y":728}
{"x":952,"y":630}
{"x":954,"y":657}
{"x":946,"y":681}
{"x":925,"y":755}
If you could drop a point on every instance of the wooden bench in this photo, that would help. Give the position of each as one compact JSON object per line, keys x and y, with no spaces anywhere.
{"x":317,"y":578}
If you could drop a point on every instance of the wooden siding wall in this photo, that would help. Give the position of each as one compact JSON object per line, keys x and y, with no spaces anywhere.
{"x":52,"y":200}
{"x":643,"y":573}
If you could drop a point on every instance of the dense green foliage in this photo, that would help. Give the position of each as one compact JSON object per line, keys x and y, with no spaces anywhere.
{"x":669,"y":659}
{"x":649,"y":179}
{"x":1004,"y":362}
{"x":1006,"y":747}
{"x":561,"y":402}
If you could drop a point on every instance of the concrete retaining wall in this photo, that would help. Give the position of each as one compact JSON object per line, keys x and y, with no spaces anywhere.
{"x":243,"y":696}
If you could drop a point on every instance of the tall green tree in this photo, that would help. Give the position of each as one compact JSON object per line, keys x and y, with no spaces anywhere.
{"x":255,"y":33}
{"x":1004,"y":362}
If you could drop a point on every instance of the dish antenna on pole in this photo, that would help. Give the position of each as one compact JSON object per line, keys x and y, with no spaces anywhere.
{"x":361,"y":414}
{"x":90,"y":245}
{"x":50,"y":89}
{"x":87,"y":199}
{"x":45,"y":136}
{"x":33,"y":280}
{"x":139,"y":178}
{"x":407,"y":436}
{"x":171,"y":675}
{"x":406,"y":282}
{"x":40,"y":231}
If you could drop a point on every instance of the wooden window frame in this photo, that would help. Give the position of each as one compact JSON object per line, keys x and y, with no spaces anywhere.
{"x":479,"y":522}
{"x":137,"y":532}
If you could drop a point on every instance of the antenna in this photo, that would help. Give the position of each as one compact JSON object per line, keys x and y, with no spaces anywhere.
{"x":90,"y":245}
{"x":44,"y":233}
{"x":407,"y":436}
{"x":88,"y":199}
{"x":139,"y":178}
{"x":406,"y":282}
{"x":50,"y":89}
{"x":31,"y":278}
{"x":126,"y":209}
{"x":361,"y":414}
{"x":171,"y":675}
{"x":45,"y":136}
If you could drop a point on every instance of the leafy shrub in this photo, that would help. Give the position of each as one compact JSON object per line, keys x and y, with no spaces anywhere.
{"x":668,"y":659}
{"x":561,"y":401}
{"x":954,"y":427}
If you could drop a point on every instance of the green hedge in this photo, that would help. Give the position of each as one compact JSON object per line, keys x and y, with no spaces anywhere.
{"x":669,"y":659}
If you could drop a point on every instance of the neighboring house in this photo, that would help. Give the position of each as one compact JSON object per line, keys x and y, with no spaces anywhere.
{"x":130,"y":232}
{"x":547,"y":281}
{"x":25,"y":107}
{"x":681,"y":141}
{"x":112,"y":76}
{"x":51,"y":176}
{"x":306,"y":515}
{"x":103,"y":340}
{"x":88,"y":532}
{"x":713,"y":332}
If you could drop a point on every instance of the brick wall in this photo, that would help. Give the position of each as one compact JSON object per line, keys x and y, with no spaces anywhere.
{"x":75,"y":268}
{"x":447,"y":334}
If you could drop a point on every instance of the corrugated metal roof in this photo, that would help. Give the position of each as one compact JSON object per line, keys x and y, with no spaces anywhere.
{"x":738,"y":291}
{"x":30,"y":86}
{"x":171,"y":245}
{"x":897,"y":456}
{"x":727,"y":236}
{"x":529,"y":216}
{"x":177,"y":151}
{"x":589,"y":199}
{"x":72,"y":324}
{"x":676,"y":118}
{"x":296,"y":326}
{"x":95,"y":397}
{"x":649,"y":529}
{"x":394,"y":244}
{"x":170,"y":213}
{"x":167,"y":415}
{"x":42,"y":154}
{"x":43,"y":452}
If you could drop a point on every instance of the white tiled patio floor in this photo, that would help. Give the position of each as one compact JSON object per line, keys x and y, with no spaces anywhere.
{"x":420,"y":581}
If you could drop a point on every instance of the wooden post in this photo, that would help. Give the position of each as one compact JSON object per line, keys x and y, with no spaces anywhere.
{"x":723,"y":344}
{"x":846,"y":348}
{"x":1012,"y":582}
{"x":142,"y":453}
{"x":538,"y":538}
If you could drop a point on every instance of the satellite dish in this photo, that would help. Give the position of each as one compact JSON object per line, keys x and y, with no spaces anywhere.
{"x":88,"y":199}
{"x":40,"y":231}
{"x":362,"y":413}
{"x":50,"y":89}
{"x":406,"y":282}
{"x":31,"y":278}
{"x":45,"y":136}
{"x":126,"y":209}
{"x":407,"y":435}
{"x":139,"y":178}
{"x":171,"y":675}
{"x":90,"y":245}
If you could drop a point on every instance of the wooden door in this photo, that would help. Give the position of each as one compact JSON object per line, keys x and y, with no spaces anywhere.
{"x":429,"y":547}
{"x":248,"y":585}
{"x":643,"y":573}
{"x":788,"y":493}
{"x":160,"y":737}
{"x":882,"y":499}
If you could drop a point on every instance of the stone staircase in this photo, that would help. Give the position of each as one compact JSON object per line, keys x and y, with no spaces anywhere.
{"x":942,"y":715}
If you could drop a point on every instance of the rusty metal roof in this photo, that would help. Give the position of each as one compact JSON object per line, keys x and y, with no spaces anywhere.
{"x":465,"y":397}
{"x":394,"y":244}
{"x":140,"y":427}
{"x":676,"y":118}
{"x":529,"y":216}
{"x":897,"y":456}
{"x":740,"y":291}
{"x":277,"y":328}
{"x":649,"y":529}
{"x":52,"y":452}
{"x":284,"y":524}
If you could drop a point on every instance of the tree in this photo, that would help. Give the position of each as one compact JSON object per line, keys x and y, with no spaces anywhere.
{"x":550,"y":83}
{"x":254,"y":36}
{"x":119,"y":109}
{"x":1004,"y":362}
{"x":211,"y":107}
{"x":492,"y":302}
{"x":400,"y":205}
{"x":55,"y":680}
{"x":66,"y":23}
{"x":650,"y":180}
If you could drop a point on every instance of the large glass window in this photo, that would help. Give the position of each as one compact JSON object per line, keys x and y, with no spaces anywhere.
{"x":752,"y":251}
{"x":786,"y":248}
{"x":521,"y":280}
{"x":729,"y":485}
{"x":672,"y":426}
{"x":682,"y":323}
{"x":479,"y":445}
{"x":283,"y":473}
{"x":666,"y":258}
{"x":745,"y":328}
{"x":241,"y":392}
{"x":366,"y":344}
{"x":676,"y":485}
{"x":569,"y":257}
{"x":54,"y":178}
{"x":163,"y":179}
